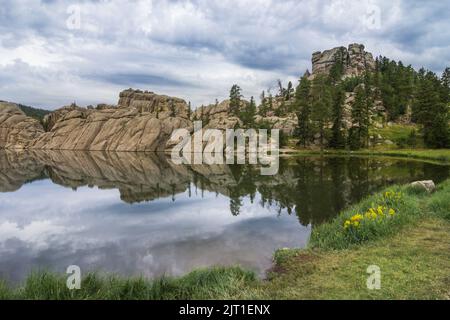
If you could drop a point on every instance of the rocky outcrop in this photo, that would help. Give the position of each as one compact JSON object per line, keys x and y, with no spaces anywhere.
{"x":287,"y":123}
{"x":121,"y":129}
{"x":143,"y":121}
{"x":160,"y":105}
{"x":217,"y":116}
{"x":17,"y":131}
{"x":355,"y":60}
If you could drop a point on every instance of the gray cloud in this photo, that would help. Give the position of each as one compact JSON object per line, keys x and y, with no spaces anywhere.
{"x":197,"y":49}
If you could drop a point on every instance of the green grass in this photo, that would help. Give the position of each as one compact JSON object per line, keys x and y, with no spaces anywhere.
{"x":414,"y":264}
{"x":398,"y":134}
{"x":219,"y":282}
{"x":412,"y":249}
{"x":437,"y":155}
{"x":439,"y":204}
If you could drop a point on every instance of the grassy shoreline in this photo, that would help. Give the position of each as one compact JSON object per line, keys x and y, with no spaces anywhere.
{"x":408,"y":237}
{"x":438,"y":155}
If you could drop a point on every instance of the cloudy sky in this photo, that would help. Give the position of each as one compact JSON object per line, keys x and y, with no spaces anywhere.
{"x":56,"y":52}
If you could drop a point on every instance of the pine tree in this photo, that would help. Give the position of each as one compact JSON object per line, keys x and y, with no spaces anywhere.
{"x":396,"y":84}
{"x":369,"y":103}
{"x":247,"y":115}
{"x":432,"y":111}
{"x":321,"y":106}
{"x":281,"y":90}
{"x":337,"y":69}
{"x":235,"y":99}
{"x":303,"y":109}
{"x":358,"y":131}
{"x":445,"y":81}
{"x":337,"y":139}
{"x":270,"y":107}
{"x":289,"y":91}
{"x":263,"y":107}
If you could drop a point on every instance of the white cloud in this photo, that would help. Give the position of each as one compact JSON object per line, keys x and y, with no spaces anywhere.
{"x":196,"y":49}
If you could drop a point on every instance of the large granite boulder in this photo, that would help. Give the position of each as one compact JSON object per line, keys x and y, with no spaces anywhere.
{"x":17,"y":131}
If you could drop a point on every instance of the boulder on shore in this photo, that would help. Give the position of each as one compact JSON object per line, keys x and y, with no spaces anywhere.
{"x":427,"y":185}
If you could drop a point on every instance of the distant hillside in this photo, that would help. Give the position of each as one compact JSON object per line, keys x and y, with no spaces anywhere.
{"x":33,"y":112}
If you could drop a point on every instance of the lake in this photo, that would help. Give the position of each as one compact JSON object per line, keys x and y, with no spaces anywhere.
{"x":140,"y":214}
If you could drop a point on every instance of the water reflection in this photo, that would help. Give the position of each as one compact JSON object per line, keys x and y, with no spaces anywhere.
{"x":141,"y":214}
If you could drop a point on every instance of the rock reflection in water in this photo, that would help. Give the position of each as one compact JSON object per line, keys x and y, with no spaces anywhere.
{"x":170,"y":218}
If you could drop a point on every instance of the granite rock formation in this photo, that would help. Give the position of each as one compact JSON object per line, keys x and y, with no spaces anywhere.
{"x":142,"y":121}
{"x":354,"y":58}
{"x":17,"y":131}
{"x":217,"y":116}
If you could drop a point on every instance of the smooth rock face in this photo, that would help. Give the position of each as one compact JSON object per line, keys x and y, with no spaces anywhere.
{"x":427,"y":185}
{"x":123,"y":129}
{"x":355,"y":60}
{"x":142,"y":122}
{"x":17,"y":131}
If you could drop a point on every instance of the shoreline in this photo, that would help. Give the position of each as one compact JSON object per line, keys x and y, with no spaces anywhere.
{"x":437,"y":155}
{"x":420,"y":231}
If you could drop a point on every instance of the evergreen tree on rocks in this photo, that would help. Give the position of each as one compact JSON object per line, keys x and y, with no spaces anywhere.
{"x":235,"y":99}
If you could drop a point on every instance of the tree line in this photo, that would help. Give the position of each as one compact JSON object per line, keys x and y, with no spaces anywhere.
{"x":404,"y":92}
{"x":337,"y":112}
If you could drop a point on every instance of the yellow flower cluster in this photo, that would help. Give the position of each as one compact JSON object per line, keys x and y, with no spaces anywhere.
{"x":378,"y":213}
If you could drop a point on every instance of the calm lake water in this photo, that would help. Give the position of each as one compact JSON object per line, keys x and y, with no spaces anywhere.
{"x":139,"y":214}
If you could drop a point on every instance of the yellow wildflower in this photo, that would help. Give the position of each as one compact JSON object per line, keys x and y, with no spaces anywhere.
{"x":356,"y":217}
{"x":371,"y":215}
{"x":391,"y":212}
